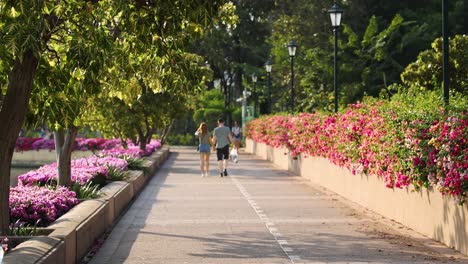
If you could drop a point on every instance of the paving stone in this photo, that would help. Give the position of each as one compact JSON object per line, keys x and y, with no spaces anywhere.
{"x":258,"y":214}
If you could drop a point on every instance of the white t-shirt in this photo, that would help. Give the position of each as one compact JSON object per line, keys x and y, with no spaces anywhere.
{"x":236,"y":131}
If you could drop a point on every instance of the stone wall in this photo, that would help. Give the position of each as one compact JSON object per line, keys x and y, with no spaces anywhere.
{"x":427,"y":211}
{"x":74,"y":233}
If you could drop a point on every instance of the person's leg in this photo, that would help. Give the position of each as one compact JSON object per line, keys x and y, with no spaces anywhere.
{"x":225,"y":159}
{"x":207,"y":163}
{"x":219,"y":154}
{"x":202,"y":163}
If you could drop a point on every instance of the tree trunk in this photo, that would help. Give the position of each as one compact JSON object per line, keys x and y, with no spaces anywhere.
{"x":141,"y":139}
{"x":149,"y":135}
{"x":12,"y":113}
{"x":166,"y":132}
{"x":123,"y":142}
{"x":63,"y":150}
{"x":143,"y":144}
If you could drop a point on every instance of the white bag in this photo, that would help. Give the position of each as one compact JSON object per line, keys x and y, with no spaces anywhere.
{"x":234,"y":155}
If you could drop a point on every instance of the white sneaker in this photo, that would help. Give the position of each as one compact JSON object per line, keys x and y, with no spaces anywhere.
{"x":203,"y":174}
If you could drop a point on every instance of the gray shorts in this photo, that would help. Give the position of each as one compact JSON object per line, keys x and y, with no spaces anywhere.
{"x":236,"y":138}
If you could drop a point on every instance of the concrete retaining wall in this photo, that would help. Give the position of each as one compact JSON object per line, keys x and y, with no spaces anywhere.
{"x":427,"y":211}
{"x":75,"y":232}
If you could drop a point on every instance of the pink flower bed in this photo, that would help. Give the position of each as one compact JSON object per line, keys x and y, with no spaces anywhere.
{"x":31,"y":201}
{"x":108,"y":146}
{"x":132,"y":150}
{"x":23,"y":143}
{"x":424,"y":150}
{"x":33,"y":204}
{"x":82,"y":171}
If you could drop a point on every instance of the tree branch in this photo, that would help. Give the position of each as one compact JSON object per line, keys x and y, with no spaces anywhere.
{"x":55,"y":52}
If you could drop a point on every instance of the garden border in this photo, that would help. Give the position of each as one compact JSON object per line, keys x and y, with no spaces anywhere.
{"x":75,"y":232}
{"x":426,"y":212}
{"x":35,"y":158}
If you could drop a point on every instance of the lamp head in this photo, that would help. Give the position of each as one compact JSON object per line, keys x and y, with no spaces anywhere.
{"x":335,"y":15}
{"x":254,"y":77}
{"x":268,"y":65}
{"x":292,"y":48}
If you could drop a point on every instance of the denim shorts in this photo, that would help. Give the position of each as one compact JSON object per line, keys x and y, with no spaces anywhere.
{"x":204,"y":148}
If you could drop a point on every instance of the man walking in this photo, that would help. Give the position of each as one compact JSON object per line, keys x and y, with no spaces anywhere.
{"x":221,"y":139}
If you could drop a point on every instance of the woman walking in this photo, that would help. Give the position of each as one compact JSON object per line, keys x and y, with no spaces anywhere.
{"x":236,"y":135}
{"x":204,"y":147}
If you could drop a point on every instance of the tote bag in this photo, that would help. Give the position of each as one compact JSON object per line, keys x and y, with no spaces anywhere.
{"x":234,"y":155}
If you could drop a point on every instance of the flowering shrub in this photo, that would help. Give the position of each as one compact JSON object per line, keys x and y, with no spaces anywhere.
{"x":23,"y":143}
{"x":43,"y":143}
{"x":33,"y":204}
{"x":89,"y":143}
{"x":132,"y":151}
{"x":29,"y":202}
{"x":422,"y":148}
{"x":4,"y":244}
{"x":95,"y":161}
{"x":82,"y":171}
{"x":108,"y":146}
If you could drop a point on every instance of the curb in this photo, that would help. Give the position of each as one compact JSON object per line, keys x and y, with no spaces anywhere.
{"x":75,"y":232}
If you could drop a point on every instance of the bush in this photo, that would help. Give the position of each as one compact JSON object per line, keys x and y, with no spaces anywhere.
{"x":181,"y":140}
{"x":135,"y":163}
{"x":82,"y":171}
{"x":409,"y":140}
{"x":107,"y":146}
{"x":426,"y":72}
{"x":39,"y":205}
{"x":87,"y":191}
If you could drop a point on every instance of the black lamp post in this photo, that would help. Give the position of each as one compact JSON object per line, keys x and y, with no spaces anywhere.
{"x":292,"y":52}
{"x":268,"y":66}
{"x":445,"y":51}
{"x":335,"y":16}
{"x":254,"y":80}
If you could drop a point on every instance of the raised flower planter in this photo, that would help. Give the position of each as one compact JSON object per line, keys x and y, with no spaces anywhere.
{"x":75,"y":232}
{"x":427,"y":211}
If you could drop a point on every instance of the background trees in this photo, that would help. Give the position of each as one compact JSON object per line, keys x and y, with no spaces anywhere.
{"x":237,"y":49}
{"x":426,"y":72}
{"x":129,"y":68}
{"x":29,"y":30}
{"x":378,"y":39}
{"x":67,"y":49}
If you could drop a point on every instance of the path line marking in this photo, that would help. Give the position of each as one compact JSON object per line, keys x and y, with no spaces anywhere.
{"x":269,"y":224}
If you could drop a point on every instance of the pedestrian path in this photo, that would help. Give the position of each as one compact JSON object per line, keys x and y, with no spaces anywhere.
{"x":258,"y":214}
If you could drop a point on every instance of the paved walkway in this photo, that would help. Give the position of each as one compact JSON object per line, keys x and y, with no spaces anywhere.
{"x":258,"y":214}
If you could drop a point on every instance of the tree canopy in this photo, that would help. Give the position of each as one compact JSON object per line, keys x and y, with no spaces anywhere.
{"x":377,"y":41}
{"x":77,"y":53}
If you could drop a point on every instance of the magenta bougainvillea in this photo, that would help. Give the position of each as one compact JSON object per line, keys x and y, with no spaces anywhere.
{"x":132,"y":151}
{"x":37,"y":199}
{"x":423,"y":150}
{"x":82,"y":171}
{"x":38,"y":205}
{"x":25,"y":144}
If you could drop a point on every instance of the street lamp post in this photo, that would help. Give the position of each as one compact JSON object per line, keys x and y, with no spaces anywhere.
{"x":243,"y":100}
{"x":292,"y":52}
{"x":254,"y":80}
{"x":268,"y":66}
{"x":445,"y":51}
{"x":335,"y":16}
